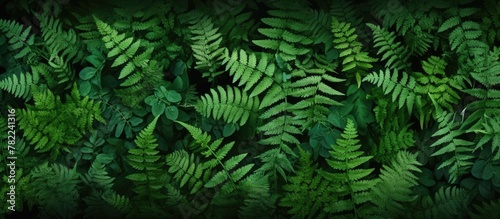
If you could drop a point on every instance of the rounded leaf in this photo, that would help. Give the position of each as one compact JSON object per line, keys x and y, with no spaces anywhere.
{"x":158,"y":108}
{"x":178,"y":84}
{"x":487,"y":172}
{"x":85,"y":88}
{"x":171,"y":112}
{"x":87,"y":157}
{"x":95,"y":60}
{"x":119,"y":129}
{"x":173,"y":96}
{"x":485,"y":189}
{"x":477,"y":168}
{"x":150,"y":100}
{"x":87,"y":73}
{"x":178,"y":67}
{"x":104,"y":158}
{"x":426,"y":178}
{"x":86,"y":150}
{"x":229,"y":129}
{"x":135,"y":121}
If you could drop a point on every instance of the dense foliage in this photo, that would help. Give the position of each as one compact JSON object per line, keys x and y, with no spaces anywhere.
{"x":254,"y":109}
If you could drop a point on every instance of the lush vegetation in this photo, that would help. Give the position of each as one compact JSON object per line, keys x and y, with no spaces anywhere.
{"x":263,"y":109}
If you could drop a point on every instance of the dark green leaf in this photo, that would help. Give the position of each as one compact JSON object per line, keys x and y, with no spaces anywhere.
{"x":104,"y":158}
{"x":86,"y":150}
{"x":477,"y":168}
{"x":487,"y":172}
{"x":178,"y":67}
{"x":178,"y":83}
{"x":119,"y":128}
{"x":85,"y":88}
{"x":158,"y":108}
{"x":172,"y":112}
{"x":150,"y":100}
{"x":134,"y":121}
{"x":228,"y":130}
{"x":173,"y":97}
{"x":87,"y":73}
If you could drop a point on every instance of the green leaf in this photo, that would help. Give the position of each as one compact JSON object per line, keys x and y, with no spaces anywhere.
{"x":477,"y":169}
{"x":150,"y":100}
{"x":104,"y":158}
{"x":87,"y":157}
{"x":172,"y":112}
{"x":96,"y":61}
{"x":487,"y":172}
{"x":229,"y":129}
{"x":134,"y":121}
{"x":158,"y":108}
{"x":178,"y":67}
{"x":119,"y":128}
{"x":426,"y":178}
{"x":85,"y":88}
{"x":87,"y":73}
{"x":173,"y":97}
{"x":178,"y":84}
{"x":86,"y":150}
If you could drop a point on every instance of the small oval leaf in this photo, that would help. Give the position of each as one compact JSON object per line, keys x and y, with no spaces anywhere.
{"x":158,"y":108}
{"x":87,"y":73}
{"x":173,"y":96}
{"x":172,"y":112}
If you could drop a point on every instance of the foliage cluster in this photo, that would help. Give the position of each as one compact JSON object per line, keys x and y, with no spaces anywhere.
{"x":252,"y":109}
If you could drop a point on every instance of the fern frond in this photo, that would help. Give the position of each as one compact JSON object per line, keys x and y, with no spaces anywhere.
{"x":119,"y":202}
{"x":238,"y":23}
{"x":393,"y":52}
{"x":218,"y":154}
{"x":354,"y":60}
{"x":20,"y":85}
{"x":107,"y":204}
{"x":316,"y":96}
{"x":87,"y":30}
{"x":97,"y":177}
{"x":19,"y":38}
{"x":320,"y":29}
{"x":306,"y":193}
{"x":187,"y":170}
{"x":447,"y":203}
{"x":206,"y":46}
{"x":491,"y":22}
{"x":392,"y":142}
{"x":50,"y":123}
{"x":346,"y":11}
{"x":146,"y":159}
{"x":436,"y":85}
{"x":354,"y":185}
{"x":55,"y":187}
{"x":489,"y":132}
{"x":124,"y":49}
{"x":464,"y":35}
{"x":456,"y":152}
{"x":394,"y":190}
{"x":487,"y":210}
{"x":275,"y":161}
{"x":286,"y":34}
{"x":485,"y":70}
{"x":59,"y":41}
{"x":259,"y":201}
{"x":402,"y":90}
{"x":230,"y":104}
{"x":250,"y":70}
{"x":418,"y":41}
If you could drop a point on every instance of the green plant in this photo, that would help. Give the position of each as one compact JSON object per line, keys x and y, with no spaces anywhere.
{"x":250,"y":109}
